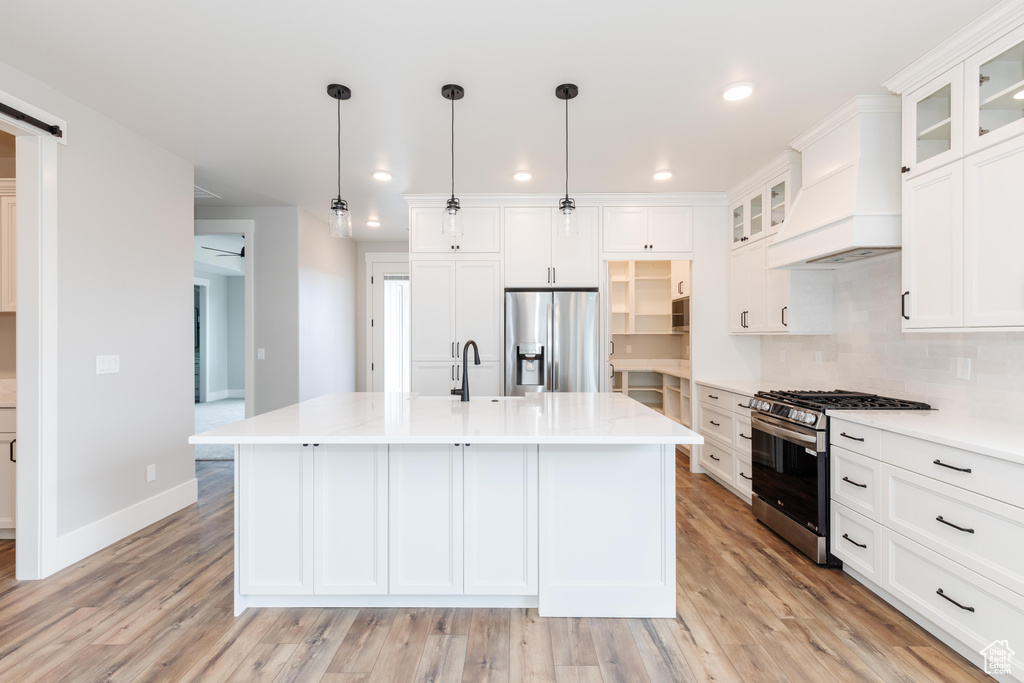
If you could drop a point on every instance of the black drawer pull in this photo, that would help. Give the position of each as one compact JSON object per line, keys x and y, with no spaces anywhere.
{"x":851,"y":481}
{"x":951,"y":467}
{"x":714,"y":423}
{"x":943,"y":595}
{"x":743,"y":405}
{"x":712,"y":397}
{"x":744,"y":436}
{"x":859,"y":545}
{"x":958,"y":528}
{"x":713,"y":457}
{"x":746,"y":477}
{"x":855,"y":438}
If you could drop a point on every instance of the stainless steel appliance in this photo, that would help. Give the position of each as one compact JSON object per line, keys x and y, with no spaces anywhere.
{"x":551,"y":341}
{"x":790,"y":461}
{"x":681,"y":314}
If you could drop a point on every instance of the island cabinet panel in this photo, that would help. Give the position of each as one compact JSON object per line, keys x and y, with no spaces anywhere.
{"x":607,"y":531}
{"x":275,"y":535}
{"x":350,"y":522}
{"x":425,"y":520}
{"x":501,"y":520}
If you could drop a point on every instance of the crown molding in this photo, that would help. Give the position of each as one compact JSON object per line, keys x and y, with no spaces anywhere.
{"x":861,"y":104}
{"x":582,"y":199}
{"x":990,"y":26}
{"x":762,"y":175}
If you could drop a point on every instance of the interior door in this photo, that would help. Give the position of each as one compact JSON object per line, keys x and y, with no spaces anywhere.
{"x":389,"y":332}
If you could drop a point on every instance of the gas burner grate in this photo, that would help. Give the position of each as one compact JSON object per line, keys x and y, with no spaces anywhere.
{"x":843,"y":400}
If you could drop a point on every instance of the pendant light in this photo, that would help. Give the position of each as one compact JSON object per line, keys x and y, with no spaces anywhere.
{"x":451,"y":219}
{"x":567,"y":226}
{"x":340,"y":222}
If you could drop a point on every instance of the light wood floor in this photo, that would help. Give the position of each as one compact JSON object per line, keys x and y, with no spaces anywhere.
{"x":157,"y":606}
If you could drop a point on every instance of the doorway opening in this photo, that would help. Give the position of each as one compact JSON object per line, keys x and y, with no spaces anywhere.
{"x":390,"y":358}
{"x":8,"y":338}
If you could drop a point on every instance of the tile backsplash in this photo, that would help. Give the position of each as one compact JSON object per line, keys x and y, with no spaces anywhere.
{"x":868,"y":351}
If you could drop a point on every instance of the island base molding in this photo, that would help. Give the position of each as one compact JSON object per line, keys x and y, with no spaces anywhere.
{"x":398,"y":601}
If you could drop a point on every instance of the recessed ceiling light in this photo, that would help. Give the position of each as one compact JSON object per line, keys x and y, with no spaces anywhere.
{"x":382,"y":175}
{"x":1019,"y":96}
{"x":663,"y":175}
{"x":738,"y":91}
{"x":522,"y":175}
{"x":372,"y":223}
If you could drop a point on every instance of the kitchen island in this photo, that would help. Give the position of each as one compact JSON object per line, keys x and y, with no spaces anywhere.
{"x":560,"y":501}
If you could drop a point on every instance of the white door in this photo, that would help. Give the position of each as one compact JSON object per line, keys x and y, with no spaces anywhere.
{"x":933,"y":257}
{"x":528,"y":247}
{"x":575,"y":261}
{"x":757,"y":299}
{"x":350,"y":532}
{"x":433,"y":310}
{"x":739,"y":279}
{"x":478,"y":303}
{"x":425,"y":520}
{"x":425,"y":236}
{"x":390,"y":327}
{"x":501,"y":520}
{"x":670,"y":228}
{"x":777,"y":311}
{"x":993,"y":236}
{"x":434,"y":378}
{"x":625,"y":228}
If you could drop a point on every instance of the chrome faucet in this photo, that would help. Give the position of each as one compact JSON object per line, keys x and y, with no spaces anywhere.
{"x":464,"y":391}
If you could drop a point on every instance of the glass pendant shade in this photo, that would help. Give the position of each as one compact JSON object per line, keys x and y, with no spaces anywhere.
{"x":567,"y":225}
{"x":340,"y":222}
{"x":451,"y":219}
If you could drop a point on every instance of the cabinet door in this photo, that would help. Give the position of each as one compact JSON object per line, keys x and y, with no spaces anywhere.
{"x":481,"y":231}
{"x":933,"y":123}
{"x":778,"y":193}
{"x":501,"y":520}
{"x":680,"y":279}
{"x":425,"y":520}
{"x":8,"y":483}
{"x":625,"y":228}
{"x":756,"y":222}
{"x":757,"y":299}
{"x":933,"y":238}
{"x":993,"y":78}
{"x":8,"y":254}
{"x":777,"y":311}
{"x":528,"y":247}
{"x":484,"y":379}
{"x":425,"y":236}
{"x":738,"y":213}
{"x":670,"y":228}
{"x":432,"y":285}
{"x":350,"y":532}
{"x":739,"y":286}
{"x":478,"y":303}
{"x":575,"y":261}
{"x":275,"y":533}
{"x":433,"y":378}
{"x":993,"y":238}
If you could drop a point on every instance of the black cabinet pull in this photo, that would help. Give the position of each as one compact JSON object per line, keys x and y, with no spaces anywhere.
{"x":958,"y":528}
{"x":714,"y":423}
{"x":859,"y":545}
{"x":745,"y":477}
{"x":784,"y":323}
{"x":13,"y":459}
{"x":904,"y":169}
{"x":963,"y":607}
{"x":612,"y":375}
{"x":554,"y":275}
{"x":744,"y":436}
{"x":742,"y":405}
{"x":851,"y":481}
{"x":712,"y":397}
{"x":679,"y":287}
{"x":903,"y":306}
{"x":713,"y":456}
{"x":855,"y":438}
{"x":951,"y":467}
{"x":613,"y":346}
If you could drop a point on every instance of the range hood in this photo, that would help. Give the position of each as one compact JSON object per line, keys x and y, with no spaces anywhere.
{"x":849,"y":206}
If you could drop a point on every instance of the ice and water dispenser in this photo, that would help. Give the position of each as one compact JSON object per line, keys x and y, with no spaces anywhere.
{"x":530,"y":365}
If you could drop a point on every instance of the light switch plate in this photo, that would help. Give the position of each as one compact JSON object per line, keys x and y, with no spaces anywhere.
{"x":150,"y":473}
{"x":108,"y":365}
{"x":963,"y":368}
{"x":261,"y":354}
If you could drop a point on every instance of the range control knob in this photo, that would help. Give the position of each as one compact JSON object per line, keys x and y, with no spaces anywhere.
{"x":810,"y":418}
{"x":798,"y":415}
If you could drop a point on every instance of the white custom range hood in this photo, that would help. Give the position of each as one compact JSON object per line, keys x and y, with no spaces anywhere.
{"x":849,"y":206}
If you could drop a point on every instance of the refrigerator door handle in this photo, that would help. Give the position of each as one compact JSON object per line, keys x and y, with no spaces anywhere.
{"x":551,"y":349}
{"x":554,"y":347}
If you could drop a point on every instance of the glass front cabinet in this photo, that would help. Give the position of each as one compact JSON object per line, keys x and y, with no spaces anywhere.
{"x":933,"y":123}
{"x":748,"y":220}
{"x":994,"y":80}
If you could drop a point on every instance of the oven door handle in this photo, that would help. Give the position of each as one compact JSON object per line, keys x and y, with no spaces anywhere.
{"x":784,"y":433}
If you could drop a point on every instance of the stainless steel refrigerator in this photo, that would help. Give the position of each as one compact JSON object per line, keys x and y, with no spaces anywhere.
{"x":551,"y":341}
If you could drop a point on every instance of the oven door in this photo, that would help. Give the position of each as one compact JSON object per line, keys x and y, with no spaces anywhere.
{"x":790,"y":470}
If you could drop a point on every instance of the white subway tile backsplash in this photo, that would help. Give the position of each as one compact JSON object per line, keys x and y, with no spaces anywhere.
{"x":870,"y":352}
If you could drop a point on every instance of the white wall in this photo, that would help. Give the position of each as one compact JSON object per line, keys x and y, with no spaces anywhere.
{"x":364,"y":248}
{"x":869,"y":352}
{"x":236,"y":336}
{"x":327,"y":310}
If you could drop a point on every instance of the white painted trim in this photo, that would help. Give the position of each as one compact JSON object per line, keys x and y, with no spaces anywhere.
{"x":386,"y":257}
{"x":861,"y":104}
{"x":989,"y":27}
{"x":6,"y":534}
{"x":780,"y":164}
{"x":582,"y":199}
{"x":370,"y":258}
{"x":86,"y":540}
{"x":217,"y":395}
{"x":35,"y":112}
{"x":465,"y":601}
{"x":236,"y":393}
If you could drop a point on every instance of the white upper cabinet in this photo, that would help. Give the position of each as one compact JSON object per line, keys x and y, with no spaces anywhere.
{"x":777,"y":300}
{"x":536,"y":256}
{"x":480,"y":227}
{"x":739,"y":290}
{"x":432,"y":310}
{"x":933,"y":123}
{"x":575,"y":261}
{"x":477,"y":317}
{"x":748,"y":219}
{"x":778,"y":199}
{"x":994,"y":81}
{"x":639,"y":229}
{"x":760,"y":204}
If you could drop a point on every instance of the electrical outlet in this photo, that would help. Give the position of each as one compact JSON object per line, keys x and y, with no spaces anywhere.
{"x":629,"y":348}
{"x":963,"y":368}
{"x":108,"y":365}
{"x":261,"y":354}
{"x":817,"y":357}
{"x":782,"y":356}
{"x":150,"y":473}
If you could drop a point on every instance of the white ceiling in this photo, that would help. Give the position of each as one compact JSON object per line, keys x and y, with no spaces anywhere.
{"x":238,"y":87}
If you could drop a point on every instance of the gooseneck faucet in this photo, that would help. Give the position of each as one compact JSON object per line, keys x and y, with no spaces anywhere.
{"x":464,"y":391}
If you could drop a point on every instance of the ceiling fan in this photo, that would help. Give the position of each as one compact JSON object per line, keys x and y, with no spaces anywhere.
{"x":226,"y":252}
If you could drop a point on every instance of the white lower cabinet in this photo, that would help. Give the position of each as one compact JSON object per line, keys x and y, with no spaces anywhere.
{"x":724,"y":422}
{"x":500,"y":483}
{"x":425,"y":520}
{"x":744,"y":474}
{"x":857,"y":541}
{"x":856,"y":482}
{"x":718,"y":459}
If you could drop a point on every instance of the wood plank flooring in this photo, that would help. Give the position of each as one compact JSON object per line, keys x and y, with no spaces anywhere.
{"x":157,"y":607}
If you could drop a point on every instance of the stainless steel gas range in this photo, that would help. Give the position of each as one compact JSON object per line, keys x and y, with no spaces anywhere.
{"x":790,"y":459}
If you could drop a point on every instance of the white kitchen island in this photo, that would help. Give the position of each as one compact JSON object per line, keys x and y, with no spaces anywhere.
{"x":560,"y":501}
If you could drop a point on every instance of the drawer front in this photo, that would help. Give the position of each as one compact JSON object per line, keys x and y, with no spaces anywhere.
{"x":744,"y":474}
{"x":992,"y":477}
{"x":741,"y":405}
{"x":715,"y":397}
{"x":857,"y":541}
{"x":915,"y":575}
{"x":742,"y":435}
{"x":718,"y":459}
{"x":8,"y":419}
{"x":978,"y":532}
{"x":854,"y":437}
{"x":716,"y":423}
{"x":856,"y":482}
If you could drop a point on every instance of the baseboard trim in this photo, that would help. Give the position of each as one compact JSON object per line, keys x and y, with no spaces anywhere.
{"x":236,"y":393}
{"x":80,"y":543}
{"x":223,"y":394}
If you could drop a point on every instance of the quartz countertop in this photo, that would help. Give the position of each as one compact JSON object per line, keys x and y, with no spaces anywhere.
{"x":998,"y":439}
{"x":548,"y":418}
{"x":747,"y":387}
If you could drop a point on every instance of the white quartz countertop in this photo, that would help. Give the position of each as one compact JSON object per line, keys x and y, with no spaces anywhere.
{"x":747,"y":387}
{"x":998,"y":439}
{"x":548,"y":418}
{"x":673,"y":368}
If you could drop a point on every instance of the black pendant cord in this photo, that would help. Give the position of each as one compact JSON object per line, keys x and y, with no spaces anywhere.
{"x":339,"y":149}
{"x":453,"y":148}
{"x":567,"y":148}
